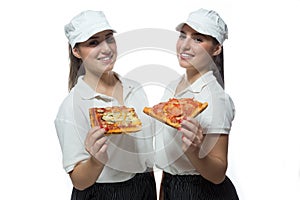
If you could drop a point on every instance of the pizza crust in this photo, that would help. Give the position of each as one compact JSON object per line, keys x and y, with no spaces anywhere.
{"x":124,"y":130}
{"x":199,"y":109}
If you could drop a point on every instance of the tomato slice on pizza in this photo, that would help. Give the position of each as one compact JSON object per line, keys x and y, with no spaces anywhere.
{"x":116,"y":119}
{"x":174,"y":110}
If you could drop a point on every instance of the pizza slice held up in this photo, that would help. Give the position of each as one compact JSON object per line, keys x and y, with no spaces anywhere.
{"x":174,"y":110}
{"x":116,"y":119}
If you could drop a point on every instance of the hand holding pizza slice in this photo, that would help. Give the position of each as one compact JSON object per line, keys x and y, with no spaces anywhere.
{"x":115,"y":119}
{"x":173,"y":111}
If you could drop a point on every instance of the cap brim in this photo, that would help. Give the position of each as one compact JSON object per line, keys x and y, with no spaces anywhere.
{"x":179,"y":26}
{"x":193,"y":26}
{"x":88,"y":34}
{"x":196,"y":27}
{"x":200,"y":29}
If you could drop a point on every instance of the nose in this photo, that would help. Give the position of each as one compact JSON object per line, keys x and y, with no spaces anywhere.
{"x":186,"y":44}
{"x":104,"y":47}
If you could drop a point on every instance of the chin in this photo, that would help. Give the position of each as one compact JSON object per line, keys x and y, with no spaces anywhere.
{"x":110,"y":66}
{"x":108,"y":70}
{"x":185,"y":65}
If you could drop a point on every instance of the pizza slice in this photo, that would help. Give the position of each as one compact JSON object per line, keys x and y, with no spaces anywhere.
{"x":116,"y":119}
{"x":174,"y":110}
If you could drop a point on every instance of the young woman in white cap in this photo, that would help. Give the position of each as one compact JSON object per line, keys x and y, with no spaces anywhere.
{"x":101,"y":166}
{"x":194,"y":158}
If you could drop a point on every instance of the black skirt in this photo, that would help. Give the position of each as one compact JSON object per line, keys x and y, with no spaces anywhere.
{"x":141,"y":186}
{"x":195,"y":187}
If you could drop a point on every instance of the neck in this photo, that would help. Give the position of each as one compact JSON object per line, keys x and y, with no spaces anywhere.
{"x":101,"y":84}
{"x":192,"y":75}
{"x":108,"y":79}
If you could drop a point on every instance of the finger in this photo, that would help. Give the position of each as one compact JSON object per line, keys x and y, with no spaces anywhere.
{"x":187,"y":133}
{"x":196,"y":123}
{"x":101,"y":155}
{"x":186,"y":141}
{"x":192,"y":120}
{"x":197,"y":141}
{"x":194,"y":126}
{"x":103,"y":148}
{"x":93,"y":136}
{"x":190,"y":124}
{"x":98,"y":145}
{"x":92,"y":130}
{"x":195,"y":138}
{"x":96,"y":135}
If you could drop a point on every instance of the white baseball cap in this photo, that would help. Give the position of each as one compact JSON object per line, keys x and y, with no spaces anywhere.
{"x":86,"y":24}
{"x":207,"y":22}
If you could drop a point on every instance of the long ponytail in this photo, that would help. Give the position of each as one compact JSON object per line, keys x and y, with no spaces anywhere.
{"x":219,"y":70}
{"x":76,"y":69}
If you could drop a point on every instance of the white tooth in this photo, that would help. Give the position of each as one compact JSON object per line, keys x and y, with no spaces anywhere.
{"x":185,"y":55}
{"x":106,"y":58}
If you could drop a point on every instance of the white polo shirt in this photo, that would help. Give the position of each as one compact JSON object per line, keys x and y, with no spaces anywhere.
{"x":128,"y":153}
{"x":216,"y":118}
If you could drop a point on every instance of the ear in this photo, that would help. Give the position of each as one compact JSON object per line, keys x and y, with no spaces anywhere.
{"x":217,"y":50}
{"x":76,"y":52}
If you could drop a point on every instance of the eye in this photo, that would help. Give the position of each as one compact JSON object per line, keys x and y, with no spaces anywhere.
{"x":198,"y":39}
{"x":110,"y":39}
{"x":93,"y":43}
{"x":182,"y":36}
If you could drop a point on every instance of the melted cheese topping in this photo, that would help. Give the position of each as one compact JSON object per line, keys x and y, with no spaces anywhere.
{"x":120,"y":117}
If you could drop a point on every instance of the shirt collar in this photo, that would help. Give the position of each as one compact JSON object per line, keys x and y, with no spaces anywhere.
{"x":200,"y":83}
{"x":87,"y":93}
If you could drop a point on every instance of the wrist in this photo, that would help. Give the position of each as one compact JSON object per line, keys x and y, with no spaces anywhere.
{"x":95,"y":163}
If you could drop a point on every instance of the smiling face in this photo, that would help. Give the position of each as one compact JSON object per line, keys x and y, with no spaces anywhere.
{"x":98,"y":53}
{"x":195,"y":50}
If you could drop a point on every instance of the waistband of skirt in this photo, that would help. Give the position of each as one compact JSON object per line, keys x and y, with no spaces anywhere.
{"x":184,"y":178}
{"x":139,"y":177}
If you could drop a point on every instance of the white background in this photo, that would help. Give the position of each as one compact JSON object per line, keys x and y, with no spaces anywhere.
{"x":261,"y":75}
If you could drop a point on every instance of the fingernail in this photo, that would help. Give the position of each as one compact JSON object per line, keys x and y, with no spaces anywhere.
{"x":106,"y":129}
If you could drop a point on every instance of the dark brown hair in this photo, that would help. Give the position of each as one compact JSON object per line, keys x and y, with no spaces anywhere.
{"x":76,"y":69}
{"x":219,"y":61}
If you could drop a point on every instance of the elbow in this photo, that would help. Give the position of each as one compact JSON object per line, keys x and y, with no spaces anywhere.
{"x":217,"y":181}
{"x":80,"y":187}
{"x":216,"y":178}
{"x":78,"y":183}
{"x":221,"y":176}
{"x":218,"y":175}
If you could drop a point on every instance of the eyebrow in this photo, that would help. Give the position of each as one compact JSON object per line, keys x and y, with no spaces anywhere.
{"x":96,"y":37}
{"x":109,"y":34}
{"x":194,"y":34}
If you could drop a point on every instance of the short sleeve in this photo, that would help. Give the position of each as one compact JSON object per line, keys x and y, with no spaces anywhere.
{"x":218,"y":116}
{"x":72,"y":145}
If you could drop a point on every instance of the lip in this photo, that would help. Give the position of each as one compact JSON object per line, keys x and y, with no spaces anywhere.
{"x":106,"y":59}
{"x":185,"y":56}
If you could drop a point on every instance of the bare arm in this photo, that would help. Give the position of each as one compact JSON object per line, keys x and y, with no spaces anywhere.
{"x":87,"y":172}
{"x":212,"y":148}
